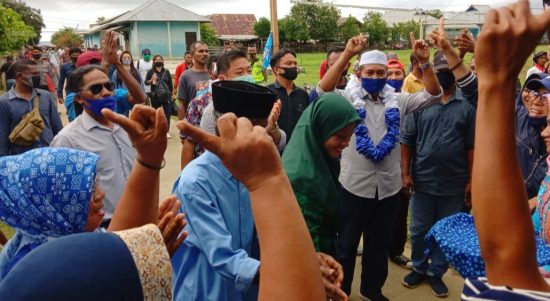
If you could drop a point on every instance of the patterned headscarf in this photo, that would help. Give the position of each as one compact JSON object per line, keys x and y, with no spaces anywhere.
{"x":44,"y":193}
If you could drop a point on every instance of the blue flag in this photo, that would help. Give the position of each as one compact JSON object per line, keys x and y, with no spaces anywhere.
{"x":268,"y":50}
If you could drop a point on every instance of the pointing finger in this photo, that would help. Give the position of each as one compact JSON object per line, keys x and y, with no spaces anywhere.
{"x":208,"y":141}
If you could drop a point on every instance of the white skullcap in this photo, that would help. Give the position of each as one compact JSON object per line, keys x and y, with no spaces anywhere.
{"x":373,"y":57}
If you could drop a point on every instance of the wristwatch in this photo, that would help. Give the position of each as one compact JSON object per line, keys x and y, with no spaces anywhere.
{"x":426,"y":65}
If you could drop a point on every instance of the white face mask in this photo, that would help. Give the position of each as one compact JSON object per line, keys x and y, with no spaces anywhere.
{"x":126,"y":61}
{"x":245,"y":78}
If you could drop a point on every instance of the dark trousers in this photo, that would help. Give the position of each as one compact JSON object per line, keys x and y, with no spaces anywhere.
{"x":375,"y":219}
{"x":399,"y":239}
{"x":166,"y":106}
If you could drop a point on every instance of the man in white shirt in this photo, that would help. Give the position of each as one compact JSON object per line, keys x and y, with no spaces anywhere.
{"x":144,"y":65}
{"x":370,"y":167}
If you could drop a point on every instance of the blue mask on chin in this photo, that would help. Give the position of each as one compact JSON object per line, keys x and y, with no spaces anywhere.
{"x":373,"y":85}
{"x":396,"y":84}
{"x":96,"y":105}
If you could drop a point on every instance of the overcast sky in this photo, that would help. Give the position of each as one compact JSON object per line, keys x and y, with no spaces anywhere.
{"x":80,"y":13}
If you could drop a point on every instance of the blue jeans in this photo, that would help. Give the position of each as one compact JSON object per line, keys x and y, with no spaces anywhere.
{"x":426,"y":210}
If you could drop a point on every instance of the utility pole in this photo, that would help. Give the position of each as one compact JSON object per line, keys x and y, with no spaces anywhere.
{"x":274,"y":24}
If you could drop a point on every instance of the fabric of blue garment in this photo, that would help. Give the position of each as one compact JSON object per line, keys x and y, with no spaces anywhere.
{"x":480,"y":289}
{"x":441,"y":137}
{"x":122,"y":106}
{"x":215,"y":261}
{"x":85,"y":267}
{"x":457,"y":237}
{"x":44,"y":193}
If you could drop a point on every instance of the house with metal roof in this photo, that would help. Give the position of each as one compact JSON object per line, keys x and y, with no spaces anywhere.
{"x":234,"y":27}
{"x":163,"y":27}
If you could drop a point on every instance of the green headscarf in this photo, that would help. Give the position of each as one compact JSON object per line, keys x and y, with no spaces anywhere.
{"x":312,"y":172}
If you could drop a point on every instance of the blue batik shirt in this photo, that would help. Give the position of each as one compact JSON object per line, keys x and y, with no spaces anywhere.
{"x":215,"y":261}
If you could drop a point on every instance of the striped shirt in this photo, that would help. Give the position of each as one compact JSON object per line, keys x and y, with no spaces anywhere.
{"x":480,"y":289}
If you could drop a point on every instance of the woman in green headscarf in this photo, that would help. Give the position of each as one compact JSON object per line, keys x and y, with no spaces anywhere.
{"x":311,"y":162}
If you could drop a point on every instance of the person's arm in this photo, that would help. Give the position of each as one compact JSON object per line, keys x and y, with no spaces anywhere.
{"x":60,"y":86}
{"x":353,"y":47}
{"x":55,"y":119}
{"x":187,"y":150}
{"x":139,"y":202}
{"x":422,"y":52}
{"x":502,"y":216}
{"x":441,"y":41}
{"x":168,"y":79}
{"x":468,"y":86}
{"x":148,"y":77}
{"x":137,"y":95}
{"x":408,"y":143}
{"x":250,"y":155}
{"x":5,"y":121}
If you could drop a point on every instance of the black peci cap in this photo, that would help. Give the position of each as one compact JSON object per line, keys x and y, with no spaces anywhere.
{"x":242,"y":98}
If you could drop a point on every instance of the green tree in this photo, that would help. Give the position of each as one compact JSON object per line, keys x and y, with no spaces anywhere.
{"x":292,"y":30}
{"x":208,"y":34}
{"x":262,"y":27}
{"x":320,"y":20}
{"x":377,"y":29}
{"x":99,"y":20}
{"x":400,"y":31}
{"x":436,"y":13}
{"x":66,"y":37}
{"x":350,"y":28}
{"x":14,"y":33}
{"x":31,"y":17}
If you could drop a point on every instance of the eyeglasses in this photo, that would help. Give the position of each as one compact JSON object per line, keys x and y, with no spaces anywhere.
{"x":97,"y":88}
{"x":542,"y":97}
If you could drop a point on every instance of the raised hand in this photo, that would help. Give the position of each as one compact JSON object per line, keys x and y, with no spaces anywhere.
{"x":439,"y":36}
{"x":421,"y":49}
{"x":147,"y":130}
{"x":247,"y":151}
{"x":509,"y":35}
{"x":110,"y":48}
{"x":274,"y":115}
{"x":465,"y":42}
{"x":356,"y":44}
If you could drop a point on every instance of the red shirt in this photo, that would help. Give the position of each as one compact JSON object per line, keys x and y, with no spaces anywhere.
{"x":179,"y":71}
{"x":323,"y":69}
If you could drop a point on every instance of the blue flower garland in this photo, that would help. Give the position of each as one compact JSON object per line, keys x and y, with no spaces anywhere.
{"x":365,"y":145}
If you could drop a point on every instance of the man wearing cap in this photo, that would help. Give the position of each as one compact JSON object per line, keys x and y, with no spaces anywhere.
{"x":219,"y":259}
{"x":231,"y":65}
{"x":437,"y":155}
{"x":144,"y":65}
{"x":45,"y":68}
{"x":396,"y":74}
{"x":539,"y":59}
{"x":370,"y":166}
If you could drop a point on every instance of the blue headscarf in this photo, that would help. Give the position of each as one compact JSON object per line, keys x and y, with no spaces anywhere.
{"x":44,"y":193}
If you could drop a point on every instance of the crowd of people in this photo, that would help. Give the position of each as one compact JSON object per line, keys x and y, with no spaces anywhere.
{"x":278,"y":186}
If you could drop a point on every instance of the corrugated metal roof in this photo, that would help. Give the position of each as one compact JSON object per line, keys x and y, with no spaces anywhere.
{"x":159,"y":10}
{"x":233,"y":24}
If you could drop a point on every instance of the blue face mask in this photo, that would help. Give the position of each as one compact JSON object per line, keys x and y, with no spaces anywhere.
{"x":373,"y":85}
{"x":245,"y":78}
{"x":396,"y":84}
{"x":96,"y":105}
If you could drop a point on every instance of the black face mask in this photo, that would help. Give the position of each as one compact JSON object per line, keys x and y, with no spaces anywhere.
{"x":291,"y":73}
{"x":446,"y":79}
{"x":159,"y":64}
{"x":36,"y":56}
{"x":32,"y":81}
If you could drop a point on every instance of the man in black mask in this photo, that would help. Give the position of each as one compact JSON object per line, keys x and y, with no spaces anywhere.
{"x":20,"y":100}
{"x":436,"y":157}
{"x":294,"y":99}
{"x":66,"y":70}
